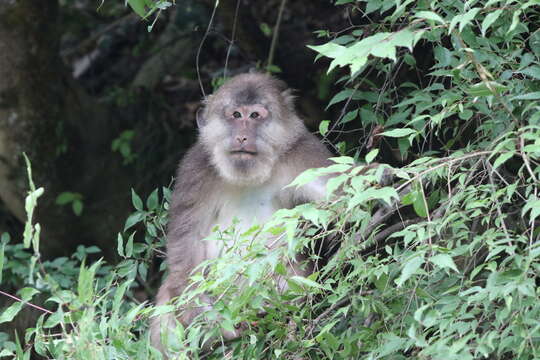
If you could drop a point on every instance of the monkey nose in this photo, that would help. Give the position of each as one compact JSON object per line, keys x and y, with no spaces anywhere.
{"x":241,"y":139}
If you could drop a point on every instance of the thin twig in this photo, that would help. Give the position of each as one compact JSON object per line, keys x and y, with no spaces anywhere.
{"x":201,"y":45}
{"x":275,"y":35}
{"x":231,"y":43}
{"x":26,"y":302}
{"x":525,"y":157}
{"x":445,"y":162}
{"x":498,"y":205}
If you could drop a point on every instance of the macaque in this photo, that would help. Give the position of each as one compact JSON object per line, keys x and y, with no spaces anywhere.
{"x":251,"y":145}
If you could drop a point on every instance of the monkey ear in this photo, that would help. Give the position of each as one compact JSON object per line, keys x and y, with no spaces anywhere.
{"x":288,"y":98}
{"x":199,"y":115}
{"x":201,"y":120}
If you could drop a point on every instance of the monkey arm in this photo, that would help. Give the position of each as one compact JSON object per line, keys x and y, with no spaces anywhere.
{"x":190,"y":214}
{"x":307,"y":153}
{"x":185,"y":250}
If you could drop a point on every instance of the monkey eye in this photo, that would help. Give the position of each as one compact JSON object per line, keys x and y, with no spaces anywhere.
{"x":236,"y":114}
{"x":254,"y":115}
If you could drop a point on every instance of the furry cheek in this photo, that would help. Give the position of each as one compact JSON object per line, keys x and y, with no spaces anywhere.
{"x":244,"y":172}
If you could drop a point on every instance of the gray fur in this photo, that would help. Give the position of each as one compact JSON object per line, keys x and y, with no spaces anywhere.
{"x":202,"y":190}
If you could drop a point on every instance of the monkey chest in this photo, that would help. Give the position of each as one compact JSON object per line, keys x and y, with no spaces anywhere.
{"x":240,"y":212}
{"x":247,"y":208}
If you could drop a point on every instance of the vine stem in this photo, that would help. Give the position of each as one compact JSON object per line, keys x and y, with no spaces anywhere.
{"x":197,"y":66}
{"x":275,"y":35}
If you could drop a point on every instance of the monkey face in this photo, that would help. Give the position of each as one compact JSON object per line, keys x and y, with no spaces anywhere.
{"x":240,"y":147}
{"x":247,"y":125}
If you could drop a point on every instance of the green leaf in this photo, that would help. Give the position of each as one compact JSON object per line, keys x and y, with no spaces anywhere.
{"x":465,"y":114}
{"x":27,"y":293}
{"x":455,"y":20}
{"x":77,"y":207}
{"x":410,"y":268}
{"x":306,"y":177}
{"x":305,"y":282}
{"x":6,"y":353}
{"x":503,"y":158}
{"x":419,"y":204}
{"x":403,"y":38}
{"x":532,"y":71}
{"x":444,"y":261}
{"x":515,"y":21}
{"x":392,"y":345}
{"x":398,"y":133}
{"x":9,"y":314}
{"x":265,"y":29}
{"x":136,"y":200}
{"x":530,"y":96}
{"x":467,"y":18}
{"x":323,"y":127}
{"x":387,"y":194}
{"x":120,"y":245}
{"x":152,"y":202}
{"x":351,"y":115}
{"x":85,"y":284}
{"x":335,"y":182}
{"x":372,"y":6}
{"x":342,"y":95}
{"x":54,"y":319}
{"x":534,"y":43}
{"x":343,"y":160}
{"x":486,"y":88}
{"x":371,"y":155}
{"x":489,"y":20}
{"x":119,"y":295}
{"x":65,"y":198}
{"x":133,"y":219}
{"x":408,"y":198}
{"x":384,"y":50}
{"x":140,"y":6}
{"x":29,"y":205}
{"x":367,"y":116}
{"x":129,"y":245}
{"x":163,"y":309}
{"x":273,"y":68}
{"x":532,"y":205}
{"x":429,"y":15}
{"x":333,"y":51}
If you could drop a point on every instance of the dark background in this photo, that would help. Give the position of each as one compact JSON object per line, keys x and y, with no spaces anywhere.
{"x":100,"y":105}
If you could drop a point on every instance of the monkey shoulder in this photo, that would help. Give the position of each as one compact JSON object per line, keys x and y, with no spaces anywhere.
{"x":308,"y":152}
{"x":195,"y":177}
{"x":195,"y":170}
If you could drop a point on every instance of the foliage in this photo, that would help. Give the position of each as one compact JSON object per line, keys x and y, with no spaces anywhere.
{"x":75,"y":199}
{"x":122,"y":144}
{"x":147,"y":8}
{"x":440,"y":263}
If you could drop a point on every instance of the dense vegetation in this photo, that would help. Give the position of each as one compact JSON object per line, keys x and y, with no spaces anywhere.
{"x":440,"y":262}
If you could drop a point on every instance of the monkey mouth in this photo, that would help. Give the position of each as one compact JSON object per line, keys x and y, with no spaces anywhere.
{"x":243,"y":153}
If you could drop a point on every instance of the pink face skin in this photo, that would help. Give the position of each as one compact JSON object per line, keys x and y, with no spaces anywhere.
{"x":244,"y":121}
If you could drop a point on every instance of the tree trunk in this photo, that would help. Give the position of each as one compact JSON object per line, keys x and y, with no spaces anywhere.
{"x":63,"y":132}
